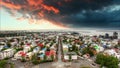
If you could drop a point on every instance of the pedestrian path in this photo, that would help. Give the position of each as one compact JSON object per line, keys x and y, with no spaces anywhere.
{"x":36,"y":66}
{"x":22,"y":67}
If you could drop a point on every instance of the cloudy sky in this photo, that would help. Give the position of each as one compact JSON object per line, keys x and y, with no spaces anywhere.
{"x":59,"y":14}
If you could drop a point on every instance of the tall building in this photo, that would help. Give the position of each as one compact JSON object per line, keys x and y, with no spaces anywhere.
{"x":115,"y":35}
{"x":106,"y":36}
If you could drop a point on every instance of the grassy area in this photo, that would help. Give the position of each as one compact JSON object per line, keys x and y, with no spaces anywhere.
{"x":11,"y":65}
{"x":3,"y":63}
{"x":84,"y":67}
{"x":18,"y":49}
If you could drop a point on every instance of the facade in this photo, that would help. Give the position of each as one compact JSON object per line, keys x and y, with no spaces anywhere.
{"x":7,"y":53}
{"x":20,"y":54}
{"x":29,"y":55}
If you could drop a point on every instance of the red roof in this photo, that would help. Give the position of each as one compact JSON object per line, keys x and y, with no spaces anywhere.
{"x":52,"y":52}
{"x":76,"y":41}
{"x":28,"y":44}
{"x":40,"y":44}
{"x":22,"y":53}
{"x":47,"y":53}
{"x":36,"y":41}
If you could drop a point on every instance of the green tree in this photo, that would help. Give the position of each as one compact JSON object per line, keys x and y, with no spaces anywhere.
{"x":8,"y":44}
{"x":87,"y":50}
{"x":52,"y":57}
{"x":3,"y":63}
{"x":45,"y":57}
{"x":34,"y":59}
{"x":73,"y":47}
{"x":23,"y":59}
{"x":108,"y":61}
{"x":11,"y":65}
{"x":22,"y":43}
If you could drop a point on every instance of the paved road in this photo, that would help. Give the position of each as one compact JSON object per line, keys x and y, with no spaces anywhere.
{"x":59,"y":63}
{"x":59,"y":52}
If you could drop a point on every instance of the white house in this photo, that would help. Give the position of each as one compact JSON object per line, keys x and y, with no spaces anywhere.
{"x":36,"y":50}
{"x":113,"y":53}
{"x":7,"y":53}
{"x":29,"y":55}
{"x":1,"y":47}
{"x":26,"y":48}
{"x":74,"y":57}
{"x":119,"y":65}
{"x":101,"y":49}
{"x":66,"y":57}
{"x":48,"y":44}
{"x":110,"y":52}
{"x":19,"y":54}
{"x":117,"y":55}
{"x":14,"y":43}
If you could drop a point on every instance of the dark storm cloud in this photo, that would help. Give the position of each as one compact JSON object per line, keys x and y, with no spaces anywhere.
{"x":73,"y":13}
{"x":75,"y":6}
{"x":94,"y":19}
{"x":81,"y":13}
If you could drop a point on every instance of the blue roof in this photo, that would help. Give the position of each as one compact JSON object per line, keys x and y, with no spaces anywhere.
{"x":41,"y":55}
{"x":44,"y":49}
{"x":6,"y":47}
{"x":36,"y":48}
{"x":69,"y":45}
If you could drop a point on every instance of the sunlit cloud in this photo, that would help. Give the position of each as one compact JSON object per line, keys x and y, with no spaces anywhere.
{"x":63,"y":13}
